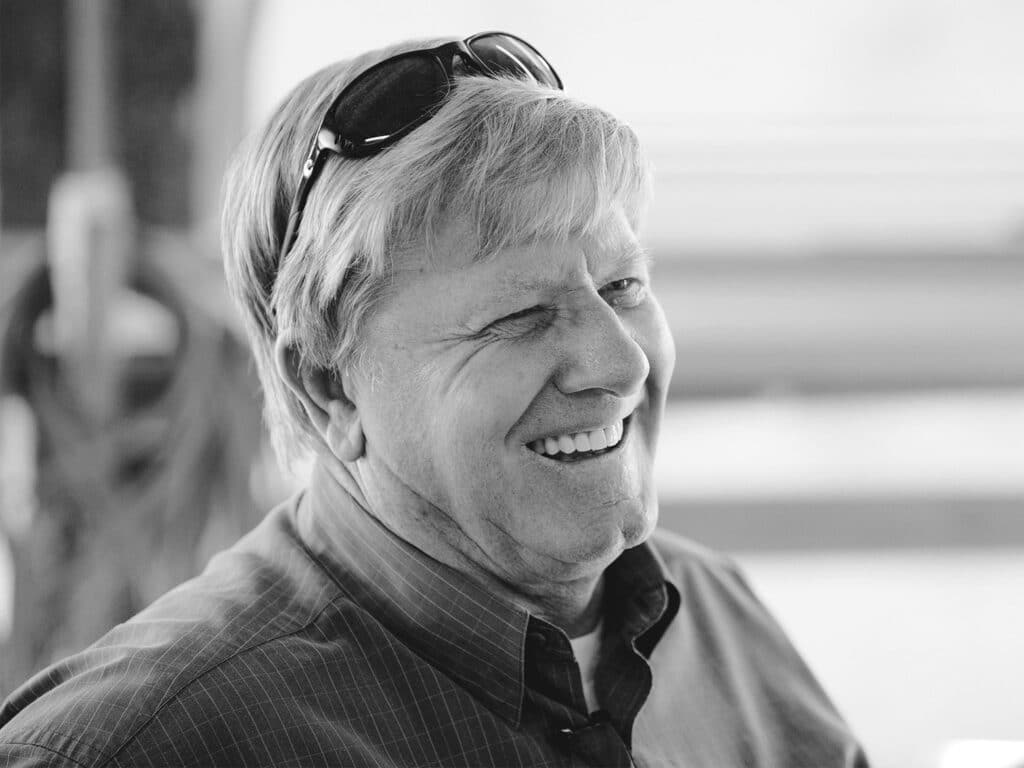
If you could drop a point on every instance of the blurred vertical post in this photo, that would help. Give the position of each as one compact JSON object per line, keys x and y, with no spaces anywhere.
{"x":90,"y":224}
{"x":90,"y":249}
{"x":90,"y":84}
{"x":223,"y":36}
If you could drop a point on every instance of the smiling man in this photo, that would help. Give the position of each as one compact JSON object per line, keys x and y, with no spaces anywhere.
{"x":509,"y":424}
{"x":436,"y":253}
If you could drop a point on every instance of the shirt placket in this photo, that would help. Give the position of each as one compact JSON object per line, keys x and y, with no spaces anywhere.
{"x":555,"y":689}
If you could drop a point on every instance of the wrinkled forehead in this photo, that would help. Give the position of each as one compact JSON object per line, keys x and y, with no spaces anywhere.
{"x":460,"y":242}
{"x":610,"y":241}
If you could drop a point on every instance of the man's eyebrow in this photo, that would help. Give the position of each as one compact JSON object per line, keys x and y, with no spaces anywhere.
{"x":633,"y":254}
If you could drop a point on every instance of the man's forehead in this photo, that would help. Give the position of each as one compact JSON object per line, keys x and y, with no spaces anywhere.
{"x":541,"y":267}
{"x":457,"y":246}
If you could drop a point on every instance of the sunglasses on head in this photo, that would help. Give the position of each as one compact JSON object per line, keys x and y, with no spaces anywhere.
{"x":394,"y":96}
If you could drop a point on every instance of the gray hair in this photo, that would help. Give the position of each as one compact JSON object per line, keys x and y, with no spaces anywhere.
{"x":517,"y":161}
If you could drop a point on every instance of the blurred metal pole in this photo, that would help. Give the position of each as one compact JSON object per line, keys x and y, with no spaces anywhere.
{"x":222,"y":66}
{"x":90,"y":84}
{"x":91,"y":250}
{"x":1,"y":192}
{"x":90,"y":227}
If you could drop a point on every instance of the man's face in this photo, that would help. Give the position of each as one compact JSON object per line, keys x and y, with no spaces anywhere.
{"x":482,"y":379}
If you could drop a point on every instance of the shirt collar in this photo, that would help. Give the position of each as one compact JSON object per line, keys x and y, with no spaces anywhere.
{"x":444,"y":616}
{"x":642,"y":595}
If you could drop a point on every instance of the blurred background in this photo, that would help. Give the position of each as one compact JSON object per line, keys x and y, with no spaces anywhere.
{"x":838,"y":232}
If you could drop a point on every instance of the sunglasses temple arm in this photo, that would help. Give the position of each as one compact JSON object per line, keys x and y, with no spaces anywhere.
{"x":291,"y":233}
{"x":324,"y":144}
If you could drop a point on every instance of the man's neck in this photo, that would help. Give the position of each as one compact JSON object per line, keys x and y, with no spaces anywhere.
{"x":572,"y":605}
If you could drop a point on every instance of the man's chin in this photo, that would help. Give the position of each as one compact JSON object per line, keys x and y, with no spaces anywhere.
{"x":637,"y":528}
{"x":601,"y":543}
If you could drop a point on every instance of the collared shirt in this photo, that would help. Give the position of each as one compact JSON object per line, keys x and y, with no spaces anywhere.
{"x":323,"y":639}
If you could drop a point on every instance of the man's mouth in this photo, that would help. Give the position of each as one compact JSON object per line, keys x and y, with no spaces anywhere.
{"x":581,"y":445}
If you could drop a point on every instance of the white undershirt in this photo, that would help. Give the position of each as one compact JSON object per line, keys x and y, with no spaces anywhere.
{"x":586,"y":649}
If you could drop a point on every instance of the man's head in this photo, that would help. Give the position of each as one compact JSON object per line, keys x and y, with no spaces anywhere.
{"x":460,"y":308}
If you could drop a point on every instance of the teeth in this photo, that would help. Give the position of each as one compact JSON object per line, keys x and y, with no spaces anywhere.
{"x":595,"y":440}
{"x":613,"y":433}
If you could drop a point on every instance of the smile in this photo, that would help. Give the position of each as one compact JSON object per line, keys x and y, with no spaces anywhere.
{"x":580,"y":446}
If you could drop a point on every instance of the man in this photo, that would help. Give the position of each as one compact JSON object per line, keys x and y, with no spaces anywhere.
{"x":454,"y":315}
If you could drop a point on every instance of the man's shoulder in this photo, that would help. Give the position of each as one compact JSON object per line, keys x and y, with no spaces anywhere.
{"x":711,"y":578}
{"x":87,"y":707}
{"x":725,"y":643}
{"x":682,"y":557}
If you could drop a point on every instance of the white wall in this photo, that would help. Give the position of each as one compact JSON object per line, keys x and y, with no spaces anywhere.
{"x":775,"y":127}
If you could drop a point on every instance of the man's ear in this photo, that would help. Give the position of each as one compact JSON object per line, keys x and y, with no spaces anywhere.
{"x":320,"y":390}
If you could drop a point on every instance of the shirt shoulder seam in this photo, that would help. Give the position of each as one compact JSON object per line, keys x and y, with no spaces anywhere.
{"x":59,"y":753}
{"x":192,"y":681}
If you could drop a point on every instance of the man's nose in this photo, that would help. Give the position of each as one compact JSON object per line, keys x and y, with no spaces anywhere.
{"x":600,"y":352}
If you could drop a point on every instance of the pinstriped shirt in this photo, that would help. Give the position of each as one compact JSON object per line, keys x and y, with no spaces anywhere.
{"x":321,"y":639}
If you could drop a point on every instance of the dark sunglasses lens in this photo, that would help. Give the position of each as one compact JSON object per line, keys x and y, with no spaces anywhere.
{"x":389,"y":99}
{"x":504,"y":54}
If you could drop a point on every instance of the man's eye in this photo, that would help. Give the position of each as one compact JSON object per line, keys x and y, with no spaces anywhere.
{"x":520,"y":315}
{"x":518,"y":323}
{"x":626,"y":292}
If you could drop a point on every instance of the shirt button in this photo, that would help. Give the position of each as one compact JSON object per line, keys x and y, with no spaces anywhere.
{"x":565,"y":738}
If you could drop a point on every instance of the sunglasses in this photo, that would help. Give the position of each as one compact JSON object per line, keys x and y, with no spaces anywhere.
{"x":396,"y":95}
